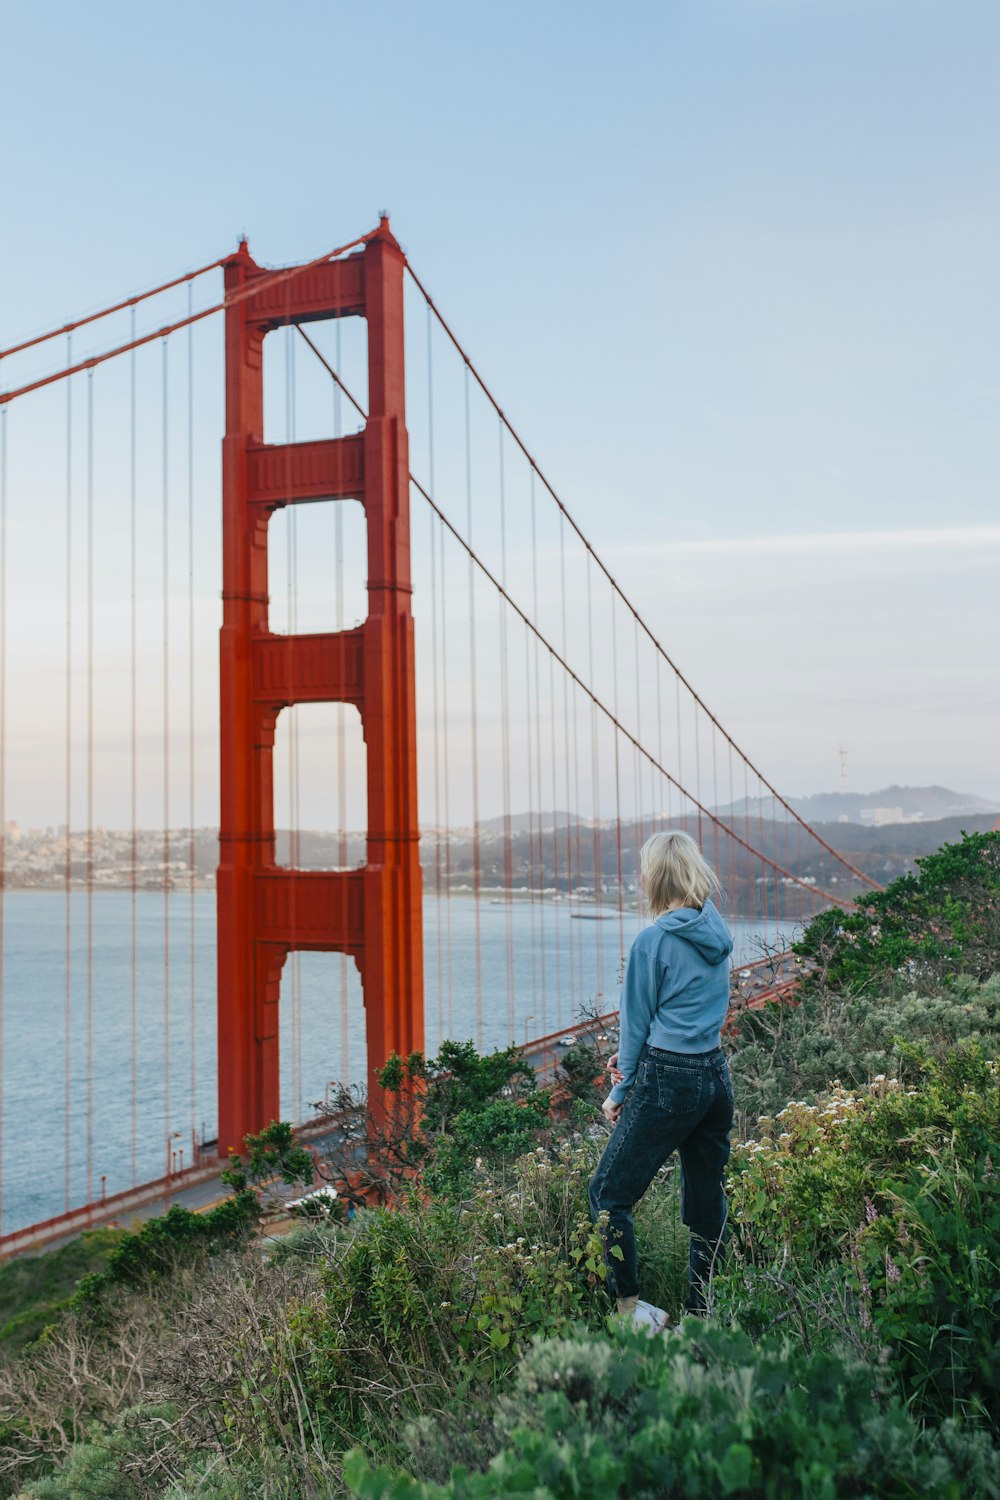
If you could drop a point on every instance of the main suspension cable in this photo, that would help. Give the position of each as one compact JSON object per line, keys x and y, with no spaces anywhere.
{"x":474,"y":558}
{"x":133,"y":778}
{"x":106,"y":312}
{"x":68,"y":873}
{"x":3,"y":780}
{"x":471,"y":369}
{"x":252,"y":289}
{"x":90,"y":785}
{"x":192,"y":902}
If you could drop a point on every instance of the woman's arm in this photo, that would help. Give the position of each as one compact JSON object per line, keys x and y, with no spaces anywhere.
{"x":636,"y":1010}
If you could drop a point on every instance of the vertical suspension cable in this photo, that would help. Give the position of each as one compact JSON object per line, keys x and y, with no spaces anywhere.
{"x":733,"y":848}
{"x":191,"y":736}
{"x":680,"y":758}
{"x":577,"y":824}
{"x":68,"y":1016}
{"x":765,"y":872}
{"x":438,"y":914}
{"x":473,"y":704}
{"x":508,"y":867}
{"x":432,"y":538}
{"x":637,"y":765}
{"x":573,"y":991}
{"x":775,"y":844}
{"x":595,"y":772}
{"x":133,"y":768}
{"x":715,"y":796}
{"x":618,"y":790}
{"x":697,"y":772}
{"x":165,"y":544}
{"x":537,"y":1012}
{"x":446,"y":781}
{"x":779,"y":817}
{"x":751,"y":866}
{"x":538,"y":774}
{"x":555,"y":838}
{"x":658,"y":803}
{"x":293,"y":964}
{"x":338,"y":552}
{"x":799,"y":903}
{"x":90,"y":786}
{"x":3,"y":789}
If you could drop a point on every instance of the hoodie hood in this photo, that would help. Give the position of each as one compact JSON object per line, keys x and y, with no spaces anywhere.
{"x":704,"y":930}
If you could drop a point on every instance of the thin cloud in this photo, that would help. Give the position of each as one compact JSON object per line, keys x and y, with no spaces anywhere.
{"x":929,"y":539}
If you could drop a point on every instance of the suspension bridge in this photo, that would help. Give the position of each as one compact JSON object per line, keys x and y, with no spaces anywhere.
{"x":391,"y":791}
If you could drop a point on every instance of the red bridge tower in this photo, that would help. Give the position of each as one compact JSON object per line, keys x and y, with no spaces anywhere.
{"x":264,"y":911}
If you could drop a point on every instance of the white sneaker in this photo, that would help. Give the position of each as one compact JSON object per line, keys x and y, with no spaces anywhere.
{"x":653,"y":1319}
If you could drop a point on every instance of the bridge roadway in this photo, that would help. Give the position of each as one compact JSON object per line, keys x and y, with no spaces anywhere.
{"x":200,"y":1188}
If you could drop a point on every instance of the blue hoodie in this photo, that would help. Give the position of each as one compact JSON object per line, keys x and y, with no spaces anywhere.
{"x":675,"y":993}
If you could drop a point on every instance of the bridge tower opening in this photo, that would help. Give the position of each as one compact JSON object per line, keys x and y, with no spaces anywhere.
{"x":266,"y":911}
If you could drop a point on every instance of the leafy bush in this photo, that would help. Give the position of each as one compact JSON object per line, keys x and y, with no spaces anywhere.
{"x":179,"y":1236}
{"x":581,"y":1071}
{"x":35,"y":1288}
{"x":702,"y":1414}
{"x":925,"y":929}
{"x":273,"y":1152}
{"x":169,"y":1240}
{"x":441,"y":1295}
{"x":883,"y":1202}
{"x":441,"y":1115}
{"x":784,"y":1051}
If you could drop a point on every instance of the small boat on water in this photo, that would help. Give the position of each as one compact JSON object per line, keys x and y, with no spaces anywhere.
{"x":590,"y":916}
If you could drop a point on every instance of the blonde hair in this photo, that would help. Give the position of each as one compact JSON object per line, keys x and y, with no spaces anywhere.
{"x":675,"y":870}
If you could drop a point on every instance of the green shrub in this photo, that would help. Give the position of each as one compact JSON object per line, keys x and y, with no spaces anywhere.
{"x":98,"y":1468}
{"x":35,"y":1288}
{"x":702,"y":1414}
{"x":441,"y":1116}
{"x":443,"y":1296}
{"x":886,"y":1201}
{"x":273,"y":1152}
{"x":925,"y":929}
{"x":169,"y":1240}
{"x":497,"y":1130}
{"x":783,"y":1051}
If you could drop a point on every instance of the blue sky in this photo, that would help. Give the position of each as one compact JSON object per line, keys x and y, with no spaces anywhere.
{"x":731,"y":266}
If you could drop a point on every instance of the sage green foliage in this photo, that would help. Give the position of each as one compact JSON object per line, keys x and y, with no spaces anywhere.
{"x":893,"y":1191}
{"x":497,"y":1131}
{"x":705,"y":1413}
{"x":444,"y":1295}
{"x":110,"y":1465}
{"x":97,"y":1469}
{"x":783,"y":1051}
{"x":176,"y":1237}
{"x":34,"y":1288}
{"x":926,"y":928}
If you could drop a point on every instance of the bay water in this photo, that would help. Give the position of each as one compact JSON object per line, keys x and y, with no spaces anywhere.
{"x":496,"y":971}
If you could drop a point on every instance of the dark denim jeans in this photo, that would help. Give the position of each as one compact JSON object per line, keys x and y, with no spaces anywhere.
{"x":680,"y":1102}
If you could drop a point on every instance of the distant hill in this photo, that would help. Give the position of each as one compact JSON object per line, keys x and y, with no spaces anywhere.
{"x":890,"y":805}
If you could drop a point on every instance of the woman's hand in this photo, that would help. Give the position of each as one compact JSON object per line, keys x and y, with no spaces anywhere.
{"x":612,"y":1109}
{"x":614,"y":1071}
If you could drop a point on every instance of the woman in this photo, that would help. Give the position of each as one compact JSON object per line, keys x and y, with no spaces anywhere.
{"x":674,"y":998}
